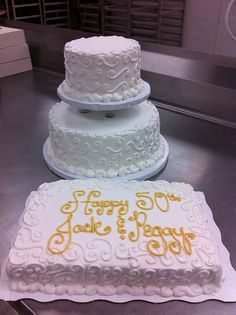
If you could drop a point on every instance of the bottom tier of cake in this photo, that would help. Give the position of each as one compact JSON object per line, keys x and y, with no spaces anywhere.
{"x":104,"y":144}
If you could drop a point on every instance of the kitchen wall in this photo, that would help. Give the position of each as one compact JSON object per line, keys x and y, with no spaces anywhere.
{"x":205,"y":27}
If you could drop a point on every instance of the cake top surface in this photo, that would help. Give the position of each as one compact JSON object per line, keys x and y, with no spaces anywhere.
{"x":102,"y":45}
{"x":70,"y":118}
{"x":148,"y":222}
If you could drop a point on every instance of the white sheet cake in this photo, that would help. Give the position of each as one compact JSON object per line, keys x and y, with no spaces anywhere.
{"x":102,"y":237}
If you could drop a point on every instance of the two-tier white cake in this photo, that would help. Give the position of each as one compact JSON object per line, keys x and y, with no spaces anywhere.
{"x":104,"y":143}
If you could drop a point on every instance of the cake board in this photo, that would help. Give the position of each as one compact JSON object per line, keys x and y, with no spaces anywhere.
{"x":108,"y":106}
{"x":140,"y":175}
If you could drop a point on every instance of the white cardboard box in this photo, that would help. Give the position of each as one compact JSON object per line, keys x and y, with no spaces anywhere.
{"x":13,"y":53}
{"x":11,"y":37}
{"x":15,"y":67}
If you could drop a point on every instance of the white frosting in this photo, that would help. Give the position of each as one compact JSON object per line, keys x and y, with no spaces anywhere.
{"x":93,"y":145}
{"x":102,"y":69}
{"x":108,"y":265}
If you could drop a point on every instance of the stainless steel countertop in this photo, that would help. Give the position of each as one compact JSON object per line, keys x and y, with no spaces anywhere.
{"x":202,"y":154}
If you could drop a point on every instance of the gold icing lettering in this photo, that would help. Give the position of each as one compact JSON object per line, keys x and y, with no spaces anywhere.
{"x":58,"y":243}
{"x":172,"y":197}
{"x":61,"y":240}
{"x":100,"y":206}
{"x":122,"y":211}
{"x":159,"y":199}
{"x":186,"y":240}
{"x":87,"y":209}
{"x":174,"y":245}
{"x":161,"y":239}
{"x":165,"y":239}
{"x":67,"y":208}
{"x":159,"y":195}
{"x":92,"y":227}
{"x":146,"y":203}
{"x":154,"y":244}
{"x":134,"y":237}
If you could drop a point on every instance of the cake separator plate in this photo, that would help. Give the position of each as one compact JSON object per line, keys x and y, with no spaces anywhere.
{"x":140,"y":175}
{"x":109,"y":106}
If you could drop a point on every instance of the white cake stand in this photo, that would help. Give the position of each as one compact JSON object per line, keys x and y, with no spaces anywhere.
{"x":108,"y":106}
{"x":140,"y":175}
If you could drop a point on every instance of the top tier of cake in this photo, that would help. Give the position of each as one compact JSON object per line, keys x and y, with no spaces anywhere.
{"x":102,"y":69}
